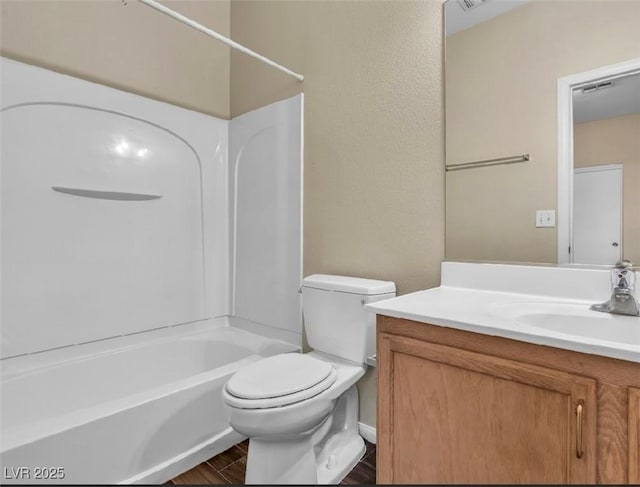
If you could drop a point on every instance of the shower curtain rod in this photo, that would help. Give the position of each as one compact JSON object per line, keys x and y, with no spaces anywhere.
{"x":212,"y":33}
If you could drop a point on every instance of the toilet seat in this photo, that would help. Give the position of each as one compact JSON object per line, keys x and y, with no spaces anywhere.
{"x":279,"y":380}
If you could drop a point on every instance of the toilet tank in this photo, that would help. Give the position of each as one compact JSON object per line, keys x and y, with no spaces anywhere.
{"x":335,"y":319}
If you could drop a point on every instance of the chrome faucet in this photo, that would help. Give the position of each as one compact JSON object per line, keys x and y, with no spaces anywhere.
{"x":623,"y":283}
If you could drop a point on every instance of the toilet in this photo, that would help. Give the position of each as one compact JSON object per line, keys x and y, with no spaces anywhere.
{"x":300,"y":411}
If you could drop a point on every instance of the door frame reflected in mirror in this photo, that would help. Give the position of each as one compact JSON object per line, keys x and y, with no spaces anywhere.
{"x":566,"y":86}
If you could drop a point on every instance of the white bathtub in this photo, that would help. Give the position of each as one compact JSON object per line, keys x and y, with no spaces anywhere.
{"x":135,"y":409}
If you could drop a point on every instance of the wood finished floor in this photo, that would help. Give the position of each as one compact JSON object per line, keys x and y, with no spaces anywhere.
{"x":229,"y":466}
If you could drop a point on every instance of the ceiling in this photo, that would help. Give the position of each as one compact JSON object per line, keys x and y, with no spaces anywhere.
{"x":623,"y":98}
{"x":457,"y":19}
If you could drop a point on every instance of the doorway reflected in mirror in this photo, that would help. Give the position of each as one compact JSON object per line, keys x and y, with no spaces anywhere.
{"x":606,"y":181}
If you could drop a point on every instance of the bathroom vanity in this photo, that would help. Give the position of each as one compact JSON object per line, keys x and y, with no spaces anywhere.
{"x":481,"y":384}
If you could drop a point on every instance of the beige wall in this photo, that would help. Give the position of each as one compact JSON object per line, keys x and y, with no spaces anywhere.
{"x":501,"y":82}
{"x":616,"y":141}
{"x":132,"y":47}
{"x":374,"y":183}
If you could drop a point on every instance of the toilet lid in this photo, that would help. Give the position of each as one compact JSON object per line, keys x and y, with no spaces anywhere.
{"x":280,"y":375}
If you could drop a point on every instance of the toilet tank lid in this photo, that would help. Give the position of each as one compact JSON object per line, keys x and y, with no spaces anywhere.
{"x":345,"y":284}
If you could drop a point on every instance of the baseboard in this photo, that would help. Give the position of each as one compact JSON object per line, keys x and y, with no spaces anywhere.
{"x":367,"y":432}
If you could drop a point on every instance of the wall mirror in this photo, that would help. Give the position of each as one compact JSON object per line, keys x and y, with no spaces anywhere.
{"x":542,"y":131}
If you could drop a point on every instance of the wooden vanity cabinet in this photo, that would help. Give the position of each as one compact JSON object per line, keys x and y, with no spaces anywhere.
{"x":634,"y":435}
{"x":460,"y":407}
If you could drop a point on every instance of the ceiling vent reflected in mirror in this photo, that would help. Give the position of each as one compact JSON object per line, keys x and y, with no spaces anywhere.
{"x":469,"y":4}
{"x":463,"y":14}
{"x":597,"y":87}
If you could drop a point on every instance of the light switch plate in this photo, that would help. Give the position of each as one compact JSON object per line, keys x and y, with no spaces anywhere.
{"x":545,"y":218}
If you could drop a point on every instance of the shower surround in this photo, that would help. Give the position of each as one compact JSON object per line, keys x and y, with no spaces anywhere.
{"x":123,"y":259}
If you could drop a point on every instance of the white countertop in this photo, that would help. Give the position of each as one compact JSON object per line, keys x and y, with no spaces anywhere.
{"x":482,"y":311}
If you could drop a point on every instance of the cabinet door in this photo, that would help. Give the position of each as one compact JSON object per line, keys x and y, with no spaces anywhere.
{"x":634,"y":435}
{"x":452,"y":416}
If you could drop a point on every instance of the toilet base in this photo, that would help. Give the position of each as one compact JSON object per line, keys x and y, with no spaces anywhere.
{"x":324,"y":455}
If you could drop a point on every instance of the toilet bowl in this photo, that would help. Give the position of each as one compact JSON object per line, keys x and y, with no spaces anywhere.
{"x":283,"y":436}
{"x":300,"y":411}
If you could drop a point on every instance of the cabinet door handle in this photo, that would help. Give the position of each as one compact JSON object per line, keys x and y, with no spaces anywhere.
{"x":579,"y":414}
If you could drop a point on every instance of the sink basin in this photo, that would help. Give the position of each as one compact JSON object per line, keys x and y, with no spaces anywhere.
{"x":572,"y":319}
